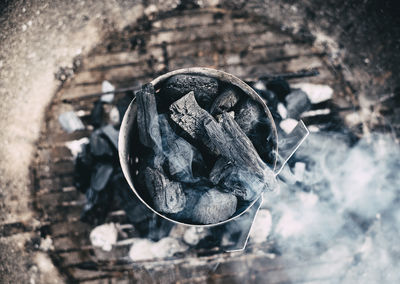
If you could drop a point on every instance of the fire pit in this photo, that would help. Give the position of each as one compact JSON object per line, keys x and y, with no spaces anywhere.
{"x":235,"y":42}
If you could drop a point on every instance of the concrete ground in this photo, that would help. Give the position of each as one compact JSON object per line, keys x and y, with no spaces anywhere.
{"x":39,"y":37}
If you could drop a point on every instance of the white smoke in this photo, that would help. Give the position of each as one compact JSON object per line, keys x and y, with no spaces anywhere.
{"x":346,"y":213}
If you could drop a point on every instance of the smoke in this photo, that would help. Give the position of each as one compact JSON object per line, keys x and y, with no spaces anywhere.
{"x":345,"y":212}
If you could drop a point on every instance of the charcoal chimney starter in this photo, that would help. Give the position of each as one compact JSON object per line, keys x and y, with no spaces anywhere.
{"x":128,"y":155}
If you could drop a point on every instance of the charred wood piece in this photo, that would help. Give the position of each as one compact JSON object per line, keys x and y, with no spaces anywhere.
{"x":248,"y":115}
{"x":233,"y":144}
{"x":205,"y":89}
{"x":167,"y":196}
{"x":225,"y":102}
{"x":99,"y":146}
{"x":207,"y":205}
{"x":245,"y":166}
{"x":178,"y":152}
{"x":147,"y":117}
{"x":100,"y":176}
{"x":190,"y":117}
{"x":240,"y":181}
{"x":280,"y":87}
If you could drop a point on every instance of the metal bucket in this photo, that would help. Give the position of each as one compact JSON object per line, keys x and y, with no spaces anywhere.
{"x":128,"y":136}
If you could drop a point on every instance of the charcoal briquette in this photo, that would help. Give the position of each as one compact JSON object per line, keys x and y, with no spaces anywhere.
{"x":97,"y":206}
{"x":167,"y":196}
{"x":205,"y":89}
{"x":122,"y":105}
{"x":270,"y":99}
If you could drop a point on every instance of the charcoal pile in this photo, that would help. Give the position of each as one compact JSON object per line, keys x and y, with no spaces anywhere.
{"x":207,"y":148}
{"x":204,"y":151}
{"x":99,"y":176}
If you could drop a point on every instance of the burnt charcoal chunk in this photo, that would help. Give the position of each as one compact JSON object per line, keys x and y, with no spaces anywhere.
{"x":147,"y":117}
{"x":205,"y":88}
{"x":270,"y":99}
{"x":239,"y":181}
{"x":248,"y":115}
{"x":97,"y":206}
{"x":233,"y":144}
{"x":96,"y":116}
{"x":154,"y":160}
{"x":219,"y":167}
{"x":190,"y":117}
{"x":99,"y":146}
{"x":297,"y":102}
{"x":167,"y":196}
{"x":100,"y":176}
{"x":178,"y":152}
{"x":158,"y":228}
{"x":225,"y":102}
{"x":135,"y":210}
{"x":112,"y":134}
{"x":83,"y":166}
{"x":199,"y":167}
{"x":262,"y":137}
{"x":207,"y":205}
{"x":280,"y":87}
